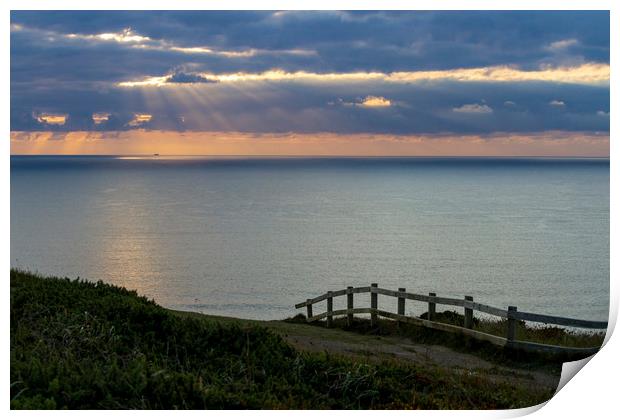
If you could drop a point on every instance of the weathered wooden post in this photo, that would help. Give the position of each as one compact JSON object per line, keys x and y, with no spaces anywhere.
{"x":373,"y":305}
{"x":512,"y":324}
{"x":350,"y":305}
{"x":330,"y":308}
{"x":401,"y":303}
{"x":309,"y":308}
{"x":431,"y":308}
{"x":401,"y":300}
{"x":469,"y":314}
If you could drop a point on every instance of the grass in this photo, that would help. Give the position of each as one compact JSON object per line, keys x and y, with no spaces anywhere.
{"x":545,"y":334}
{"x":82,"y":345}
{"x":507,"y":357}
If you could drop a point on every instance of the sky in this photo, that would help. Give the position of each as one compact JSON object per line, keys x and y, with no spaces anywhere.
{"x":310,"y":83}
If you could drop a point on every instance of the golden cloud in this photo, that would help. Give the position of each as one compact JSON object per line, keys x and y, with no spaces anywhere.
{"x":588,"y":73}
{"x":100,"y":117}
{"x":52,"y":119}
{"x":125,"y":36}
{"x":139,"y":119}
{"x":376,"y":102}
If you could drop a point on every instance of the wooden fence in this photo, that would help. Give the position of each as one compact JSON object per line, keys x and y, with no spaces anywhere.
{"x":469,"y":306}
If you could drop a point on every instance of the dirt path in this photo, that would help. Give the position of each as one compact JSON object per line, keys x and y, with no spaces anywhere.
{"x":377,"y":348}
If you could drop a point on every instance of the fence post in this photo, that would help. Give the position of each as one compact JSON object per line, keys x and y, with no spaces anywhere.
{"x":401,"y":301}
{"x":330,"y":308}
{"x":512,"y":324}
{"x":309,"y":308}
{"x":350,"y":305}
{"x":469,"y":314}
{"x":373,"y":305}
{"x":431,"y":308}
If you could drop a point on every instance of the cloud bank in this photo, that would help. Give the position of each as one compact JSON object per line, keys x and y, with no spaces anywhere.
{"x":463,"y":73}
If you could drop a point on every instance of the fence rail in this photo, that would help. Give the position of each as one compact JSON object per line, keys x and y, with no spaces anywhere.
{"x":469,"y":306}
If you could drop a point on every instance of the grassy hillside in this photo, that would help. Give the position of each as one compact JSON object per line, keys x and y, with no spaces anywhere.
{"x":77,"y":344}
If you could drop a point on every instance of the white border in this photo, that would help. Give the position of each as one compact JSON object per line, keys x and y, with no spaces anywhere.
{"x":592,"y":393}
{"x":311,"y":5}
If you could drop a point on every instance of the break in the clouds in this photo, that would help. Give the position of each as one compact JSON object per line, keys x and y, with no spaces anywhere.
{"x":474,"y":109}
{"x":388,"y":73}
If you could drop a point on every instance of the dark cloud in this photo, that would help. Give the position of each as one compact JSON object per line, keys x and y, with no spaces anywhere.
{"x":288,"y":107}
{"x":402,"y":40}
{"x":59,"y":65}
{"x":181,"y":77}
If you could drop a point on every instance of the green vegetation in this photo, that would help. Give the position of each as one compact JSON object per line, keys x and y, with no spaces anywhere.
{"x":543,"y":362}
{"x":539,"y":334}
{"x":76,"y":344}
{"x":546,"y":334}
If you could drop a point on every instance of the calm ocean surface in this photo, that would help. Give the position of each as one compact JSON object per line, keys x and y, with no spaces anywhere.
{"x":251,"y":237}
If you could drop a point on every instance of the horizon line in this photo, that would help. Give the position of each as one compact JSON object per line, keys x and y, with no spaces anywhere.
{"x":316,"y":156}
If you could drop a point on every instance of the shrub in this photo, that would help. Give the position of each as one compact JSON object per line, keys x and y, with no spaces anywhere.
{"x":83,"y":345}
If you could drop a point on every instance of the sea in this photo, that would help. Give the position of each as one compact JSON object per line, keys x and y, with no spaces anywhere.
{"x":250,"y":237}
